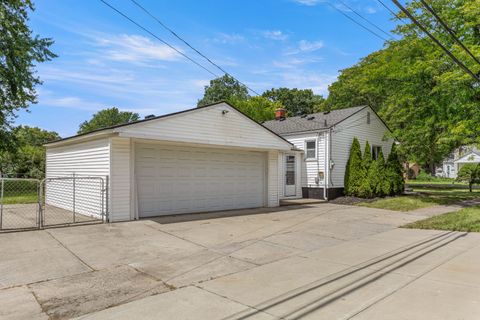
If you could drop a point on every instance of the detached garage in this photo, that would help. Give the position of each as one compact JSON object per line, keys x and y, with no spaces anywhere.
{"x":204,"y":159}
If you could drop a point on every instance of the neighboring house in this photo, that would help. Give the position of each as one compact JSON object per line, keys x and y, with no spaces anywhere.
{"x":326,"y":138}
{"x":204,"y":159}
{"x":452,"y":164}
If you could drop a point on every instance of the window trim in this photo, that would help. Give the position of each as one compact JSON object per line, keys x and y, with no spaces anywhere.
{"x":306,"y":150}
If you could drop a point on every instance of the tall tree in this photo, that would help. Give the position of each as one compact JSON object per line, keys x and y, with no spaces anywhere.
{"x":296,"y":101}
{"x":259,"y":109}
{"x":225,"y":88}
{"x":27,"y":158}
{"x":106,"y":118}
{"x":20,"y":50}
{"x":431,"y":105}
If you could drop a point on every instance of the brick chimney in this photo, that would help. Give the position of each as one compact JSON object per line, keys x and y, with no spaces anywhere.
{"x":280,"y":113}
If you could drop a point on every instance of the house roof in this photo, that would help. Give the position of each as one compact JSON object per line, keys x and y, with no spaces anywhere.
{"x":311,"y":122}
{"x":112,"y":129}
{"x":465,"y":157}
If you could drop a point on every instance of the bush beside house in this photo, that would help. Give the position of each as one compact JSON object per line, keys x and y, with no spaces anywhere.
{"x":368,"y":178}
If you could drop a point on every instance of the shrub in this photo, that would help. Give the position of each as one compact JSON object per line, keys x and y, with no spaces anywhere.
{"x":470,"y":173}
{"x":377,"y":177}
{"x":395,"y":172}
{"x":354,"y":172}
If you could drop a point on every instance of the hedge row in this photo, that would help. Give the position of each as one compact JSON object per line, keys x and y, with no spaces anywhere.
{"x":368,"y":178}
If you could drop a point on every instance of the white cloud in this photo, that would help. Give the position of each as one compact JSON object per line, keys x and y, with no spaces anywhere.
{"x":294,"y":62}
{"x":307,"y":2}
{"x":305,"y":46}
{"x":307,"y":80}
{"x":134,"y":48}
{"x":370,"y":10}
{"x":227,"y":38}
{"x":274,"y":35}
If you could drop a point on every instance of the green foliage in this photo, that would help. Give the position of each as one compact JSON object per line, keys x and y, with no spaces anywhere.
{"x":27,"y":159}
{"x":367,"y":178}
{"x":377,"y":177}
{"x":258,"y":108}
{"x":395,"y":172}
{"x":106,"y":118}
{"x":469,"y":173}
{"x":296,"y":101}
{"x":224,"y":88}
{"x":20,"y":50}
{"x":430,"y":104}
{"x":354,"y":172}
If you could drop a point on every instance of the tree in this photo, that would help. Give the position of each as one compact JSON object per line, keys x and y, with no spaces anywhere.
{"x":224,"y":88}
{"x":378,"y":181}
{"x":395,"y":172}
{"x":354,"y":171}
{"x":20,"y":50}
{"x":469,"y":173}
{"x":365,"y":190}
{"x":259,"y":109}
{"x":27,"y":159}
{"x":430,"y":104}
{"x":106,"y":118}
{"x":296,"y":101}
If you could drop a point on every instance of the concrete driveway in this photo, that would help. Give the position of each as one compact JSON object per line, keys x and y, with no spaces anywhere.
{"x":321,"y":261}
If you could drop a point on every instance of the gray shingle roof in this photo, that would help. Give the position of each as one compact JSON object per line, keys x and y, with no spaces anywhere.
{"x":321,"y":120}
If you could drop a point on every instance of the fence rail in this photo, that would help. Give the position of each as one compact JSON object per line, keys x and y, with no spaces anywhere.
{"x":36,"y":204}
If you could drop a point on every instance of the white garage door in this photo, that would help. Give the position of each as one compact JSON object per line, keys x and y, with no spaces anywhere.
{"x":173,"y":180}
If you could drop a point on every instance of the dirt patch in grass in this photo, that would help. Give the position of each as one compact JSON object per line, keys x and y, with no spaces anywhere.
{"x":466,"y":220}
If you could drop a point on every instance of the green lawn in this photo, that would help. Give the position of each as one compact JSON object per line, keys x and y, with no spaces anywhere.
{"x":467,"y":220}
{"x":437,"y":181}
{"x":425,"y":198}
{"x":20,"y":191}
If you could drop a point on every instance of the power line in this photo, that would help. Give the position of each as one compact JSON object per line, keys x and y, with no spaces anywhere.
{"x":449,"y":30}
{"x":189,"y":45}
{"x":451,"y":55}
{"x":391,"y":11}
{"x":157,"y":37}
{"x":356,"y":22}
{"x":368,"y":21}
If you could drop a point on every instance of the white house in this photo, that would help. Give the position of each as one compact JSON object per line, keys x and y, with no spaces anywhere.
{"x":452,"y":164}
{"x":326,"y":138}
{"x":202,"y":159}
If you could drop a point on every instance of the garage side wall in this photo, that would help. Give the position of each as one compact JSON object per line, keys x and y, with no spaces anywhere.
{"x":121,"y":205}
{"x":87,"y":159}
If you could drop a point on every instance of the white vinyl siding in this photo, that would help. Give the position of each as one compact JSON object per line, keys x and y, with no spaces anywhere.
{"x":342,"y":137}
{"x":173,"y":179}
{"x":87,"y":159}
{"x":90,"y":158}
{"x":310,"y":167}
{"x":120,"y":180}
{"x":210,"y":126}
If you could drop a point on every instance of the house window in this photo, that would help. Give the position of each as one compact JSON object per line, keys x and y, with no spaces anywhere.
{"x":311,"y":149}
{"x":368,"y":117}
{"x":376,"y":151}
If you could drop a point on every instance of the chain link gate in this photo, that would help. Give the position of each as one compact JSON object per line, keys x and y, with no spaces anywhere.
{"x":35,"y":204}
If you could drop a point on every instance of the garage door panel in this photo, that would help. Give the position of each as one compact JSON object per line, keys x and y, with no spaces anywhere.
{"x":175,"y":180}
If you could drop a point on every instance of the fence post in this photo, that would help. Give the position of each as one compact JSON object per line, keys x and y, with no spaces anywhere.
{"x":1,"y":204}
{"x":40,"y":202}
{"x":107,"y":213}
{"x":74,"y":198}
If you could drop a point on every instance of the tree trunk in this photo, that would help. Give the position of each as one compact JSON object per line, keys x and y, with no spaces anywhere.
{"x":470,"y":184}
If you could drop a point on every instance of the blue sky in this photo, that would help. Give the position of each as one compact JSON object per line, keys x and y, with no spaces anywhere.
{"x":106,"y":61}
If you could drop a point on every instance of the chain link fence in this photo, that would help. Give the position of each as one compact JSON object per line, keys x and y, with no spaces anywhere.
{"x":35,"y":204}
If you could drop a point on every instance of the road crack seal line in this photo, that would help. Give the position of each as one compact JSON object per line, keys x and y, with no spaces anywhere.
{"x":71,"y":252}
